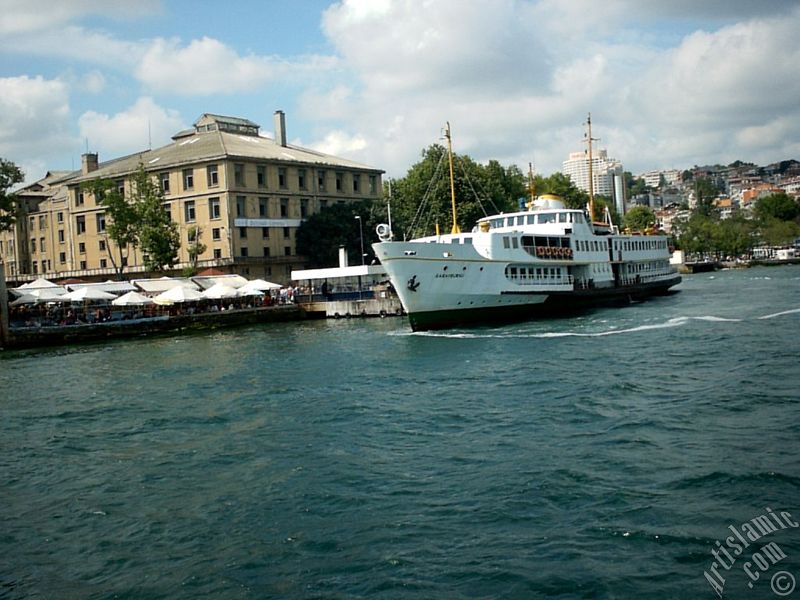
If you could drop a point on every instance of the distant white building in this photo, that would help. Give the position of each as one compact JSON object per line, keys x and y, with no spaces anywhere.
{"x":604,"y":170}
{"x":653,"y":178}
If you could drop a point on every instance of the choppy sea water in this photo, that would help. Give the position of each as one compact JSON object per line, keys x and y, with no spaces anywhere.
{"x":597,"y":456}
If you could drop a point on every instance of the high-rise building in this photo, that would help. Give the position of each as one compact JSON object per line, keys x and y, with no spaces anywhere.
{"x":245,"y":193}
{"x":603,"y":171}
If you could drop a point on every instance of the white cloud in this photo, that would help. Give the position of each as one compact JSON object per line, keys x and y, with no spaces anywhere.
{"x":516,"y":80}
{"x":207,"y":66}
{"x":339,"y":143}
{"x":34,"y":119}
{"x":30,"y":16}
{"x":131,"y":130}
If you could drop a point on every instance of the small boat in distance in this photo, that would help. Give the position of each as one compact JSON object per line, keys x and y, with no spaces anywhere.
{"x":547,"y":259}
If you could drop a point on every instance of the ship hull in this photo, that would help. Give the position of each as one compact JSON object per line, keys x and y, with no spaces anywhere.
{"x":544,"y":306}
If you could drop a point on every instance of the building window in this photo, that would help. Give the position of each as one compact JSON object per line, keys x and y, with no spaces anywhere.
{"x":101,"y":222}
{"x":243,"y":252}
{"x":83,"y":265}
{"x":241,"y":206}
{"x":62,"y":257}
{"x":212,"y":175}
{"x":303,"y":208}
{"x":42,"y":221}
{"x":60,"y":217}
{"x":287,"y":250}
{"x":286,"y":233}
{"x":168,"y":210}
{"x":282,"y":178}
{"x":60,"y":236}
{"x":321,"y":180}
{"x":263,"y":204}
{"x":82,"y":248}
{"x":103,"y":263}
{"x":33,"y":245}
{"x":339,"y":182}
{"x":284,"y":207}
{"x":80,"y":224}
{"x":188,"y":210}
{"x":35,"y":267}
{"x":165,"y":182}
{"x":301,"y":178}
{"x":79,"y":197}
{"x":213,"y":208}
{"x":102,"y":245}
{"x":356,"y":184}
{"x":238,"y":174}
{"x":41,"y":245}
{"x":121,"y":187}
{"x":266,"y":251}
{"x":215,"y":234}
{"x":188,"y":179}
{"x":265,"y":233}
{"x":373,"y":184}
{"x":261,"y":175}
{"x":243,"y":233}
{"x":217,"y":253}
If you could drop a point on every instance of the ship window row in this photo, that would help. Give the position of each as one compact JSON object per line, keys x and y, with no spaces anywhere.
{"x":589,"y":245}
{"x":644,"y":267}
{"x":643,"y":244}
{"x":537,"y":219}
{"x":525,"y":273}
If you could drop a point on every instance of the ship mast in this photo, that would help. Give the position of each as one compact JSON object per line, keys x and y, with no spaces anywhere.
{"x":531,"y":185}
{"x":589,"y":140}
{"x":456,"y":228}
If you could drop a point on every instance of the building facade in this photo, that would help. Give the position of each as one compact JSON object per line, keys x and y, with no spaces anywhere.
{"x":246,"y":194}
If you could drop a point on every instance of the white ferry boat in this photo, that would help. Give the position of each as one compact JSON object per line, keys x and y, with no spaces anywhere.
{"x":544,"y":260}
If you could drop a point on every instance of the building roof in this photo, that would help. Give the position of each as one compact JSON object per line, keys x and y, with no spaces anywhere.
{"x":218,"y":145}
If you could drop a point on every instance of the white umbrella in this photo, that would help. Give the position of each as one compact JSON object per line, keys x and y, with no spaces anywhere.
{"x":25,"y":299}
{"x":259,"y":285}
{"x":42,"y":294}
{"x":218,"y":291}
{"x":86,"y":294}
{"x":251,"y":292}
{"x":132,"y":299}
{"x":39,"y":283}
{"x":177,"y":295}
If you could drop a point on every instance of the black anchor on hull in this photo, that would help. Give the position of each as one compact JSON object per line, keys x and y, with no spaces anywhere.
{"x":413,"y":284}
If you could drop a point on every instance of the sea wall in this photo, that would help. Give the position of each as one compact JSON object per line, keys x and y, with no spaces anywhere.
{"x":32,"y":337}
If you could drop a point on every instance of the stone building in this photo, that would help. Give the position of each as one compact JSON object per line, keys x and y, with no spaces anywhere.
{"x":246,"y":193}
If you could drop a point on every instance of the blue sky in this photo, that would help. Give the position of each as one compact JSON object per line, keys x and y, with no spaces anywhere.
{"x":669,"y":85}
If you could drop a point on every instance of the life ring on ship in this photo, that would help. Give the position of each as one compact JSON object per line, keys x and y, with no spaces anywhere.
{"x":569,"y":253}
{"x":539,"y":251}
{"x":559,"y":252}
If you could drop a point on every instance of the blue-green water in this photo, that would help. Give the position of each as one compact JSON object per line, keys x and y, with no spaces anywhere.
{"x":588,"y":457}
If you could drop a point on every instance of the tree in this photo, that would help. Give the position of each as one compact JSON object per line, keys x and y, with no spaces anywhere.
{"x":10,"y":175}
{"x":779,"y":233}
{"x":733,"y":237}
{"x":777,"y":206}
{"x":705,"y":193}
{"x":640,"y":218}
{"x":695,"y":235}
{"x":195,"y":248}
{"x":562,"y":185}
{"x":123,"y":218}
{"x":158,"y":235}
{"x":321,"y":235}
{"x":421,"y":200}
